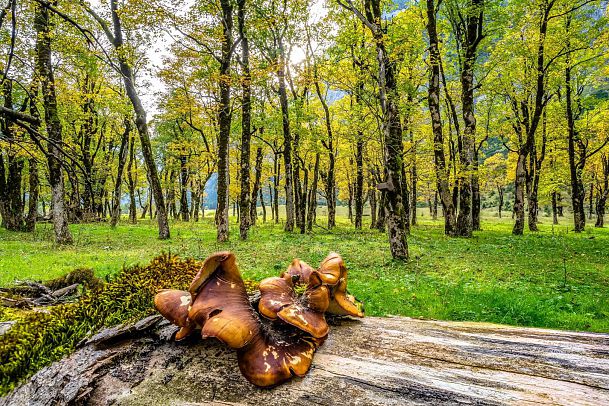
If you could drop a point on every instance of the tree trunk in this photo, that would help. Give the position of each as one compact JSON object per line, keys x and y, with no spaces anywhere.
{"x":413,"y":181}
{"x":122,"y":158}
{"x":260,"y":193}
{"x":476,"y":200}
{"x":554,"y":209}
{"x":471,"y":37}
{"x":450,"y":221}
{"x":44,"y":67}
{"x":591,"y":201}
{"x":224,"y":118}
{"x":576,"y":165}
{"x":246,"y":108}
{"x":372,"y":199}
{"x":184,"y":181}
{"x":287,"y":143}
{"x":131,"y":179}
{"x":359,"y":181}
{"x":313,"y":195}
{"x":276,"y":189}
{"x":256,"y":189}
{"x":140,"y":122}
{"x":33,"y":192}
{"x":603,"y":193}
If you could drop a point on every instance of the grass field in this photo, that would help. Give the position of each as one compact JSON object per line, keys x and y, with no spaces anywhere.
{"x":553,"y":278}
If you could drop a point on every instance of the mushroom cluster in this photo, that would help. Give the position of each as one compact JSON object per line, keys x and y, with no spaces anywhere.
{"x":276,"y":340}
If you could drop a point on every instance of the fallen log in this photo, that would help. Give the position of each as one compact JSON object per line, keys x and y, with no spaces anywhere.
{"x":376,"y":361}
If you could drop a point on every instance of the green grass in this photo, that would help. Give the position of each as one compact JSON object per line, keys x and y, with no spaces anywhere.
{"x":553,"y":278}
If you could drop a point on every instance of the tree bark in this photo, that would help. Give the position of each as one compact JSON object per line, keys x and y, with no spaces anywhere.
{"x":287,"y":142}
{"x":224,"y":118}
{"x":44,"y":67}
{"x":576,"y":164}
{"x":122,"y":158}
{"x":246,"y":108}
{"x":603,"y":193}
{"x":531,"y":123}
{"x":313,"y":195}
{"x":471,"y":37}
{"x":359,"y":181}
{"x":33,"y":193}
{"x":131,"y":183}
{"x":140,"y":118}
{"x":450,"y":221}
{"x":256,"y":189}
{"x":184,"y":181}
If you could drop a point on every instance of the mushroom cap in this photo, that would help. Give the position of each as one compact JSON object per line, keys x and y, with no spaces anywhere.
{"x":223,"y":259}
{"x":221,"y":306}
{"x":174,"y":306}
{"x":332,"y":268}
{"x":298,"y":270}
{"x":279,"y":299}
{"x":275,"y":356}
{"x":342,"y":303}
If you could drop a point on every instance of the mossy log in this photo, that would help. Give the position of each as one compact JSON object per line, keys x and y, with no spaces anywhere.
{"x":375,"y":361}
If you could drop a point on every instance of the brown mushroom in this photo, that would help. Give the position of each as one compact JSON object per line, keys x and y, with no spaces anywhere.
{"x":174,"y":306}
{"x":277,"y":354}
{"x":333,"y":268}
{"x":295,"y":301}
{"x":221,"y":306}
{"x":269,"y":353}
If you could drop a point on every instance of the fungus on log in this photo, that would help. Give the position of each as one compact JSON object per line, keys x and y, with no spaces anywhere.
{"x":271,"y":349}
{"x":334,"y":273}
{"x":297,"y":300}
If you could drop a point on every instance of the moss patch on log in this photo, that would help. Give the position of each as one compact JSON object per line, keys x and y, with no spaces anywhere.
{"x":45,"y":335}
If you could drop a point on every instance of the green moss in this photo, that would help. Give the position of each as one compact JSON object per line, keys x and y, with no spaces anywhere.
{"x":41,"y":337}
{"x":83,"y":276}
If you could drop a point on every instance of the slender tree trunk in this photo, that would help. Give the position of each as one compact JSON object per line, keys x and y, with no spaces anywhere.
{"x":141,"y":121}
{"x":603,"y":193}
{"x":263,"y":206}
{"x":380,"y":217}
{"x":44,"y":67}
{"x":531,"y":123}
{"x":276,"y":189}
{"x":471,"y":38}
{"x":131,"y":182}
{"x":450,"y":221}
{"x":591,"y":201}
{"x":413,"y":181}
{"x":500,"y":192}
{"x":554,"y":209}
{"x":246,"y":108}
{"x":372,"y":199}
{"x":313,"y":195}
{"x":256,"y":188}
{"x":476,"y":200}
{"x":224,"y":118}
{"x":184,"y":180}
{"x":122,"y":158}
{"x":287,"y":143}
{"x":359,"y":181}
{"x":33,"y":192}
{"x":576,"y":166}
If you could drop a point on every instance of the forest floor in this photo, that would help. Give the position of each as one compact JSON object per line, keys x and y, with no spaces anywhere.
{"x":554,"y":278}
